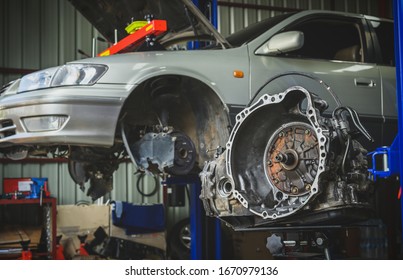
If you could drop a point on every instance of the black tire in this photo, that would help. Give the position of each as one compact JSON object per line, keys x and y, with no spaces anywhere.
{"x":179,"y":240}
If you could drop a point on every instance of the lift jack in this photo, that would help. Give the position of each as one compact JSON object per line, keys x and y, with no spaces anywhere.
{"x":152,"y":28}
{"x":26,"y":254}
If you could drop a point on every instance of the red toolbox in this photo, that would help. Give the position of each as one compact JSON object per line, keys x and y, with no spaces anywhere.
{"x":19,"y":185}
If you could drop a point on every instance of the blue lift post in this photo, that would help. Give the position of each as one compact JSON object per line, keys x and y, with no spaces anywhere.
{"x":214,"y":13}
{"x":196,"y":222}
{"x":196,"y":212}
{"x":196,"y":208}
{"x":197,"y":218}
{"x":398,"y":23}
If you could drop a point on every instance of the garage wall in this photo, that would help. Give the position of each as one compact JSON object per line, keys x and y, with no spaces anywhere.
{"x":36,"y":34}
{"x":234,"y":15}
{"x":66,"y":191}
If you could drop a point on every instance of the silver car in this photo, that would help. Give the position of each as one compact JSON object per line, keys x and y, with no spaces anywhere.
{"x":219,"y":110}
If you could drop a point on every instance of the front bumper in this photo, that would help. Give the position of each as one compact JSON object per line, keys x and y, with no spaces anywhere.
{"x":91,"y":115}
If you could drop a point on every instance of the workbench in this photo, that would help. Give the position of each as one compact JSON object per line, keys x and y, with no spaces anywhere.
{"x":20,"y":220}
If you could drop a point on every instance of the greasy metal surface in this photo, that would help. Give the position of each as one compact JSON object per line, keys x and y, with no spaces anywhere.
{"x":286,"y":164}
{"x":154,"y":148}
{"x":292,"y":158}
{"x":264,"y":120}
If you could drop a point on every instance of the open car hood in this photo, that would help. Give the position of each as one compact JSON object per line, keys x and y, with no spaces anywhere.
{"x":184,"y":20}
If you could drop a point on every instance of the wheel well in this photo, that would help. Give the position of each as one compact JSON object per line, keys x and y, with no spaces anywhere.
{"x":189,"y":106}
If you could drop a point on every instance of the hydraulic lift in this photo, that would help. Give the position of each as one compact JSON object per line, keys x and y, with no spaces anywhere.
{"x":199,"y":223}
{"x":398,"y":16}
{"x":205,"y":232}
{"x":204,"y":245}
{"x":391,"y":160}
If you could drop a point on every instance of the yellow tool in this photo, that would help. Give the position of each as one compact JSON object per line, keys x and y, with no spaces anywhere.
{"x":134,"y":26}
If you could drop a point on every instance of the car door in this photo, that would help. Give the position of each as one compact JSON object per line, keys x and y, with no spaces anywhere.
{"x":383,"y":33}
{"x":337,"y":51}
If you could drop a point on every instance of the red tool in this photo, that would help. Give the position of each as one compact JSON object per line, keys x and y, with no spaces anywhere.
{"x":154,"y":27}
{"x":59,"y":248}
{"x":81,"y":251}
{"x":26,"y":254}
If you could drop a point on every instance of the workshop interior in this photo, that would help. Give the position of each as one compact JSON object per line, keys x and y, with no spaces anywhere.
{"x":201,"y":129}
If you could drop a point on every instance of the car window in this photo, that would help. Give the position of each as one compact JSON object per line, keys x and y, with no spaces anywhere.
{"x":330,"y":39}
{"x":384,"y":32}
{"x":254,"y":30}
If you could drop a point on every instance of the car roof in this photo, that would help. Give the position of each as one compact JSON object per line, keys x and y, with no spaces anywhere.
{"x":342,"y":13}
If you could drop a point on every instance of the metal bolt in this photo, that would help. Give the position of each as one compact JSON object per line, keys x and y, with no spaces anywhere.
{"x":281,"y":157}
{"x":308,"y":187}
{"x":294,"y":190}
{"x":319,"y":241}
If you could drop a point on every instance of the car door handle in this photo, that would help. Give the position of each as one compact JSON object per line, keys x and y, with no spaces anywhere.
{"x":363,"y":82}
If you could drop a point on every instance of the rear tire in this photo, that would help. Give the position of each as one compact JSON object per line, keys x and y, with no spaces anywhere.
{"x":179,"y":240}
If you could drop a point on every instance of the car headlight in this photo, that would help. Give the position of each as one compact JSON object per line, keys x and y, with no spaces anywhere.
{"x":66,"y":75}
{"x":78,"y":74}
{"x":37,"y":80}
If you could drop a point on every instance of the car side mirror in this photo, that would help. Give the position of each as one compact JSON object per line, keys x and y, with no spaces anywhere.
{"x":282,"y":43}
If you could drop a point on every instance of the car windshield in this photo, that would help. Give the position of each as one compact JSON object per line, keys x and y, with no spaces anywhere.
{"x":254,"y":30}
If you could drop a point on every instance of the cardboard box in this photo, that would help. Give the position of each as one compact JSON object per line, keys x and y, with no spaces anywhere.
{"x":155,"y":239}
{"x":73,"y":220}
